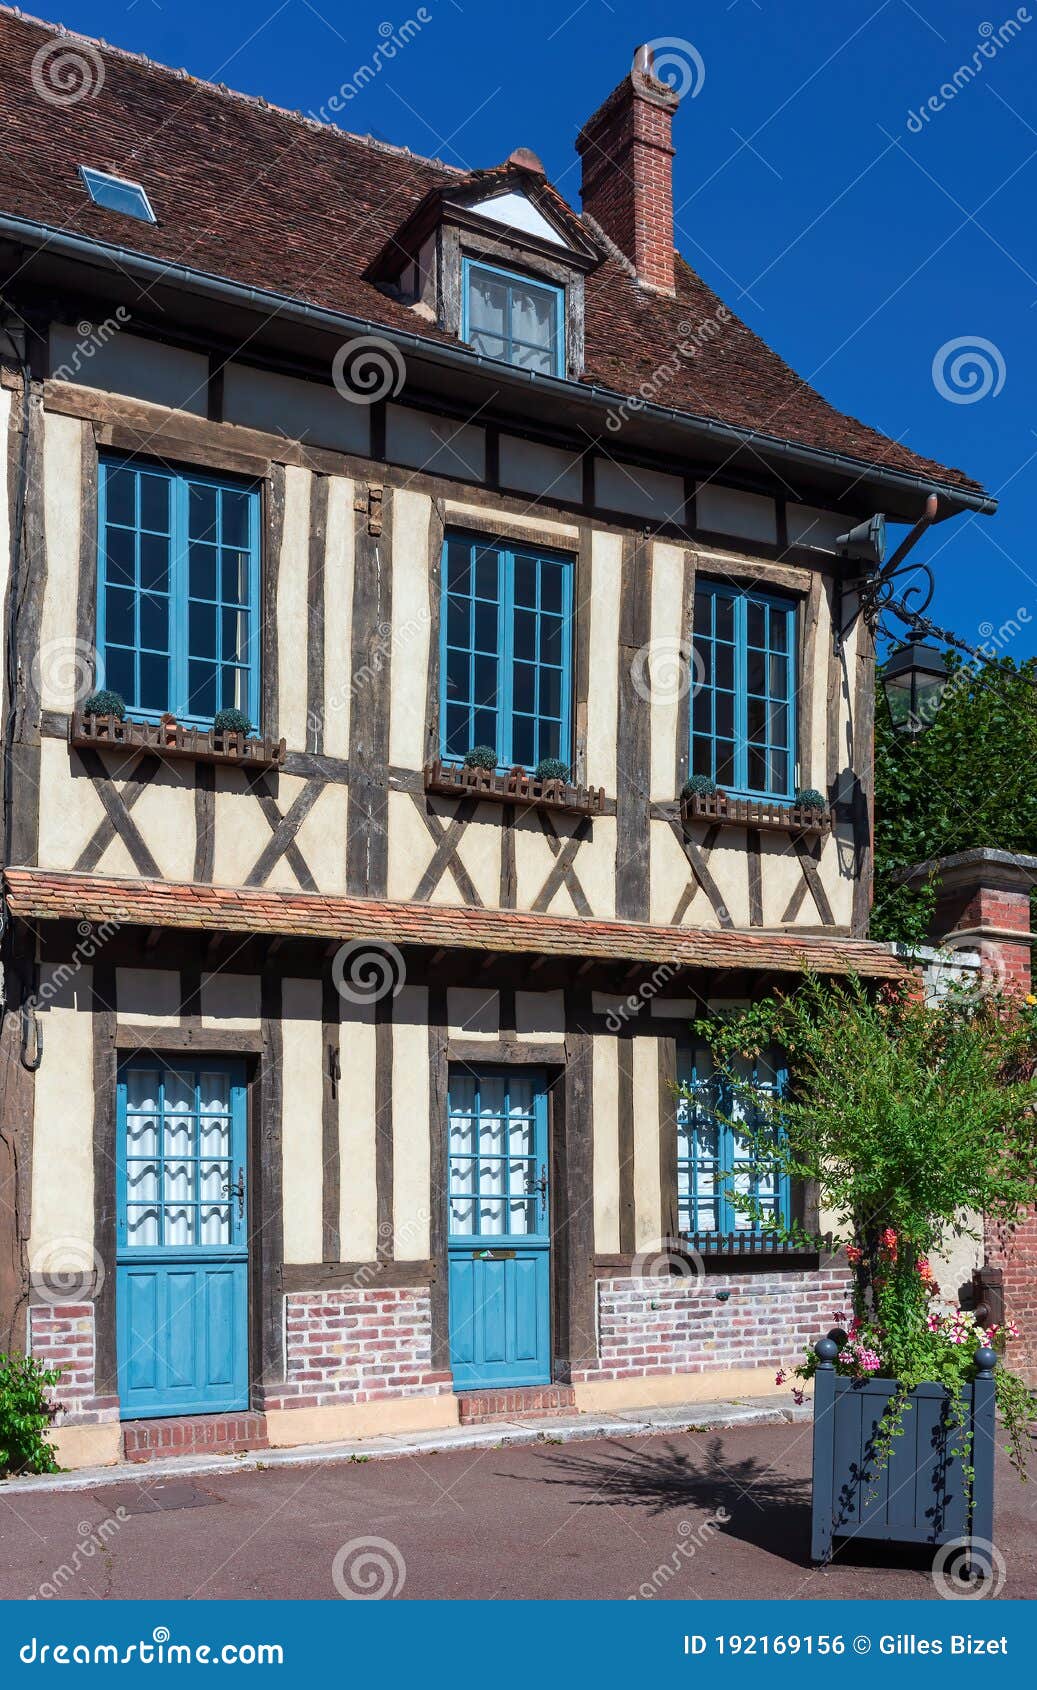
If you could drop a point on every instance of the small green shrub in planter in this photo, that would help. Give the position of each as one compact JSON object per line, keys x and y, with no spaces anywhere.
{"x":551,"y":768}
{"x":481,"y":757}
{"x":105,"y":703}
{"x":699,"y":786}
{"x":25,"y":1414}
{"x":232,"y":721}
{"x":811,"y":798}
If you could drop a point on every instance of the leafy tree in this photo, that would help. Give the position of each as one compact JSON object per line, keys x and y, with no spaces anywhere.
{"x":966,"y":781}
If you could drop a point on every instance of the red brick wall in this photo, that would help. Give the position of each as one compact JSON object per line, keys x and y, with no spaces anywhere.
{"x":62,"y":1335}
{"x":1014,"y":1251}
{"x":356,"y":1345}
{"x":678,"y":1325}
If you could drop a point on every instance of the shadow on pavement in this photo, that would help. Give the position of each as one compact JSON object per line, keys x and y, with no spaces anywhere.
{"x":764,"y":1507}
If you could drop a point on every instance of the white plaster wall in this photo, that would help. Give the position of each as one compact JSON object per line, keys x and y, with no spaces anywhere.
{"x":669,"y":669}
{"x":292,"y":616}
{"x":603,"y":703}
{"x":302,"y":1150}
{"x":473,"y":1012}
{"x":230,"y":1001}
{"x":436,"y":444}
{"x":338,"y":616}
{"x":411,"y":1167}
{"x":605,"y":1128}
{"x":648,"y":1201}
{"x":300,"y":410}
{"x":817,"y":529}
{"x":540,"y":1015}
{"x":62,"y":1230}
{"x":65,"y":673}
{"x":411,"y":630}
{"x":358,"y":1202}
{"x":544,"y":470}
{"x":133,"y":365}
{"x":148,"y":997}
{"x":638,"y":491}
{"x":726,"y":510}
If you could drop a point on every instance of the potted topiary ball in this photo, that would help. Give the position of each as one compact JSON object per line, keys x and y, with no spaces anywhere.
{"x":481,"y":757}
{"x":232,"y":721}
{"x":810,"y":799}
{"x":551,"y":768}
{"x":105,"y":703}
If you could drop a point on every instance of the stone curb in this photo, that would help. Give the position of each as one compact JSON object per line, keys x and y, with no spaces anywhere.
{"x":546,"y":1429}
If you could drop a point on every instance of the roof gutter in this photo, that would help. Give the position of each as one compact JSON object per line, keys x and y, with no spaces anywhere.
{"x":204,"y":282}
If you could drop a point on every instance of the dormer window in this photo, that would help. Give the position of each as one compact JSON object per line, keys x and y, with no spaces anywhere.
{"x":513,"y":319}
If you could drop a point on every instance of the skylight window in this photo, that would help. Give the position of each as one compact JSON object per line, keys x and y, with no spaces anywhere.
{"x":115,"y":193}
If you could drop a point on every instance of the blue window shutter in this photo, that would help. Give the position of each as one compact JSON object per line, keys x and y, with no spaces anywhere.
{"x":178,"y":591}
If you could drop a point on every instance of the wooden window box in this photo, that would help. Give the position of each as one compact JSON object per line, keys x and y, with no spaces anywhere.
{"x":456,"y":780}
{"x":172,"y":739}
{"x":751,"y":1244}
{"x":762,"y":813}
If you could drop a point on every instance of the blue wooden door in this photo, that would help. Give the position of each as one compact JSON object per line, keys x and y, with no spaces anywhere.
{"x":498,"y":1228}
{"x":182,"y":1264}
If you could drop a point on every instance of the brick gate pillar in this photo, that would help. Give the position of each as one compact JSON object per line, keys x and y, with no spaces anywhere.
{"x":983,"y":904}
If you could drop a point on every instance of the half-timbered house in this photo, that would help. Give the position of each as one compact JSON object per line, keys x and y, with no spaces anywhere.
{"x":338,"y":1075}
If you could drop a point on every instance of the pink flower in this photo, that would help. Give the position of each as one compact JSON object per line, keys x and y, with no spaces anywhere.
{"x":780,"y":1377}
{"x":798,"y":1397}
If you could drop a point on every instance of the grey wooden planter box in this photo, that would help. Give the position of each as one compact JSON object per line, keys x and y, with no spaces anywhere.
{"x":918,"y":1494}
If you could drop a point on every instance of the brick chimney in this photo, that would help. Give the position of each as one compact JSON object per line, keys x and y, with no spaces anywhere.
{"x":627,"y":186}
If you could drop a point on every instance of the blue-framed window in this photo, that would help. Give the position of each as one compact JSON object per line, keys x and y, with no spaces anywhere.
{"x":117,"y":193}
{"x":714,"y":1160}
{"x":181,"y":1163}
{"x":178,"y":591}
{"x":743,"y":701}
{"x":513,"y":318}
{"x":506,"y":647}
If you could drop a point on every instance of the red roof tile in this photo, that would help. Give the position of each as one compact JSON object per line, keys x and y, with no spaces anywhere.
{"x":41,"y":895}
{"x":259,"y":196}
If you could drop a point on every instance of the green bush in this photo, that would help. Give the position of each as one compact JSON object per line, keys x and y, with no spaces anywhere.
{"x":481,"y":757}
{"x":105,"y":703}
{"x":810,"y":796}
{"x":551,"y":768}
{"x":699,"y":785}
{"x":232,"y":721}
{"x":25,"y":1414}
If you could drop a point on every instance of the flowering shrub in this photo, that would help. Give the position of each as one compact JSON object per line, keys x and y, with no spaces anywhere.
{"x":907,"y":1119}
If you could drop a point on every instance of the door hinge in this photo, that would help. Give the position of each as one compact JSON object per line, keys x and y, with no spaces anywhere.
{"x":371,"y":508}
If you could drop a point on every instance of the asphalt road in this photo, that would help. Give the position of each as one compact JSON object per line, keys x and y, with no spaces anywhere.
{"x":607,"y":1519}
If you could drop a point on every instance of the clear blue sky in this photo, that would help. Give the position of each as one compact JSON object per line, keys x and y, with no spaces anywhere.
{"x":857,"y":246}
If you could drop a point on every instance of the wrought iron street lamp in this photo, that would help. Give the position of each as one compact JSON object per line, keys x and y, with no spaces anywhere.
{"x":913,"y":680}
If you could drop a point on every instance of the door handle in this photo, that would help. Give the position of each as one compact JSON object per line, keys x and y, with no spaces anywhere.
{"x":238,"y":1191}
{"x":541,"y":1186}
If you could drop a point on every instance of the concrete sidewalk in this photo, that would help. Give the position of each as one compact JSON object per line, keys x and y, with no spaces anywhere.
{"x":775,"y":1410}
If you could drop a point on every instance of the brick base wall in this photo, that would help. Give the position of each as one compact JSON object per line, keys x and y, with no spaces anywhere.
{"x":356,"y":1345}
{"x":680,"y":1325}
{"x":1014,"y":1251}
{"x":62,"y":1335}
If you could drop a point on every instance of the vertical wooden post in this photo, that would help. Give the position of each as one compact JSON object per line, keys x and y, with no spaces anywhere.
{"x":824,"y":1451}
{"x":981,"y":1523}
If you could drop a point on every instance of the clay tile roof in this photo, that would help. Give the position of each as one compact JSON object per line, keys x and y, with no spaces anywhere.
{"x":278,"y":201}
{"x":41,"y":895}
